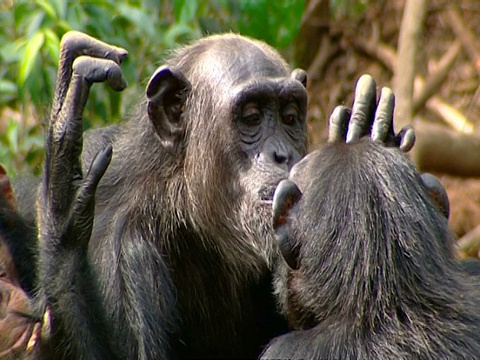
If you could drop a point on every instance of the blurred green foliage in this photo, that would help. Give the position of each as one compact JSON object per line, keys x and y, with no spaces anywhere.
{"x":29,"y":43}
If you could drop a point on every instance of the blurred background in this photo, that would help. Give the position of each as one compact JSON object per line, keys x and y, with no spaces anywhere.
{"x":428,"y":51}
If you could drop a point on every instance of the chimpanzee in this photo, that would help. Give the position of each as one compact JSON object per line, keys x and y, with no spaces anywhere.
{"x":16,"y":323}
{"x":369,"y":271}
{"x":25,"y":316}
{"x":18,"y":235}
{"x":181,"y":251}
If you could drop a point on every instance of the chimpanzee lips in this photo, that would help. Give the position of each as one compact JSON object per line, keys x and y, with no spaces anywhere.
{"x":266,"y":193}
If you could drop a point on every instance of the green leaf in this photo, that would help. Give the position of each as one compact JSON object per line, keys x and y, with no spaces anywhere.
{"x":21,"y":12}
{"x":61,"y":7}
{"x":7,"y":87}
{"x":52,"y":44}
{"x":175,"y":32}
{"x":12,"y":135}
{"x":8,"y":91}
{"x":34,"y":24}
{"x":177,"y":9}
{"x":189,"y":10}
{"x":137,"y":17}
{"x":48,"y":8}
{"x":75,"y":16}
{"x":13,"y":51}
{"x":185,"y":10}
{"x":31,"y":53}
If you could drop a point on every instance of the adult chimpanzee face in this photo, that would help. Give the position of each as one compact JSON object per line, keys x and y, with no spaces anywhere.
{"x":269,"y":119}
{"x":244,"y":130}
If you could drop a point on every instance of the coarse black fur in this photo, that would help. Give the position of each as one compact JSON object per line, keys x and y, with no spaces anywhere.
{"x":19,"y":235}
{"x":26,"y":330}
{"x":178,"y":262}
{"x":17,"y":276}
{"x":376,"y":276}
{"x":470,"y":266}
{"x":182,"y":244}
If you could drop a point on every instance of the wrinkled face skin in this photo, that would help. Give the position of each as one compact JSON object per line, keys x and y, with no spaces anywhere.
{"x":270,"y":123}
{"x":269,"y":120}
{"x":15,"y":327}
{"x":261,"y":101}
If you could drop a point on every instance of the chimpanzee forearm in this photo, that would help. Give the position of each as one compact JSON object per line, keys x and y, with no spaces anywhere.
{"x":79,"y":327}
{"x":66,"y":206}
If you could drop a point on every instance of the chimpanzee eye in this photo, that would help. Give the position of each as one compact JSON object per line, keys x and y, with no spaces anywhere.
{"x":290,"y":116}
{"x":251,"y":115}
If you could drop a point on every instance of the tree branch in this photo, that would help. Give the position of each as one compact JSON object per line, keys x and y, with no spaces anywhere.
{"x":465,"y":35}
{"x":410,"y":31}
{"x":436,"y":78}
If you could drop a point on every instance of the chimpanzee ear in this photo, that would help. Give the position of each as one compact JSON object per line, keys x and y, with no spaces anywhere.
{"x":300,"y":75}
{"x":167,"y":92}
{"x":6,"y":189}
{"x":286,"y":196}
{"x":437,"y":192}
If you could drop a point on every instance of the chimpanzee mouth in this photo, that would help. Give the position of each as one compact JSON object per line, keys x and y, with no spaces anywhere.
{"x":266,"y":194}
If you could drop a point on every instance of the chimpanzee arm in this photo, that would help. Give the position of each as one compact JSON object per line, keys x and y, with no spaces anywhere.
{"x":369,"y":117}
{"x":66,"y":204}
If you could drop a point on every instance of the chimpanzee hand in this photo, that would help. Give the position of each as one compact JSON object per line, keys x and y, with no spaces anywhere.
{"x":67,"y":197}
{"x":83,"y":61}
{"x":369,"y":117}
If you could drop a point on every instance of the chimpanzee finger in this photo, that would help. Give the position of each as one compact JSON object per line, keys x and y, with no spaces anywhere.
{"x":287,"y":194}
{"x":337,"y":124}
{"x":99,"y":70}
{"x":67,"y":125}
{"x":405,"y":139}
{"x":65,"y":131}
{"x":363,"y":107}
{"x":95,"y":174}
{"x":73,"y":45}
{"x":383,"y":121}
{"x":81,"y":216}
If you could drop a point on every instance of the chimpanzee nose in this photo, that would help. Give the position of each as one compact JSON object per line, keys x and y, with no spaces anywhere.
{"x":281,"y":158}
{"x":277,"y":156}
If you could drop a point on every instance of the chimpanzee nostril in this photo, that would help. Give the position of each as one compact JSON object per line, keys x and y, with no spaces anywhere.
{"x":280,"y":158}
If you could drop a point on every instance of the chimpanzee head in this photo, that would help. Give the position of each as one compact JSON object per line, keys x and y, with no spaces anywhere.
{"x":233,"y":114}
{"x":361,"y":225}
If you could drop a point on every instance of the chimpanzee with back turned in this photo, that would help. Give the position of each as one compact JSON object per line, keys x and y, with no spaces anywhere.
{"x":369,"y":270}
{"x":181,"y":251}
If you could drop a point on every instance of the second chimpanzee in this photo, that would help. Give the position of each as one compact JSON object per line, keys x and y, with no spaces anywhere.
{"x":26,"y":330}
{"x":17,"y":323}
{"x":369,"y":271}
{"x":178,"y":264}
